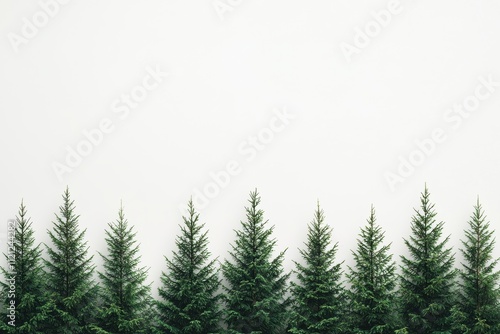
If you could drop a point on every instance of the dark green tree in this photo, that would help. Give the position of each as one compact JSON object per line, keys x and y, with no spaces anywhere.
{"x":480,"y":295}
{"x":427,"y":275}
{"x":318,"y":296}
{"x":373,"y":280}
{"x":126,"y":298}
{"x":190,"y":303}
{"x":255,"y":283}
{"x":24,"y":280}
{"x":70,"y":274}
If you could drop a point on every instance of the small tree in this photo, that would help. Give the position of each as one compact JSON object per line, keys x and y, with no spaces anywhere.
{"x":125,"y":296}
{"x":70,"y":274}
{"x":189,"y":300}
{"x":479,"y":277}
{"x":373,"y":280}
{"x":256,"y":284}
{"x":427,"y":277}
{"x":318,"y":297}
{"x":24,"y":272}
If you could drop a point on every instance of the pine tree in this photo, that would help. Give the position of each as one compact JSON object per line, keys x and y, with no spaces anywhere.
{"x":318,"y":296}
{"x":479,"y":279}
{"x":256,"y":285}
{"x":189,"y":301}
{"x":70,"y":274}
{"x":24,"y":273}
{"x":427,"y":274}
{"x":372,"y":280}
{"x":125,"y":296}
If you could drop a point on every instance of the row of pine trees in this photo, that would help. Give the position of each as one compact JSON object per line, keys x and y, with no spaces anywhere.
{"x":250,"y":292}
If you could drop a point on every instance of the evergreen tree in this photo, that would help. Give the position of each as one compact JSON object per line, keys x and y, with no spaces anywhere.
{"x":24,"y":273}
{"x":189,"y":301}
{"x":70,"y":274}
{"x":427,"y":274}
{"x":318,"y":297}
{"x":125,"y":296}
{"x":372,"y":280}
{"x":479,"y":278}
{"x":256,"y":285}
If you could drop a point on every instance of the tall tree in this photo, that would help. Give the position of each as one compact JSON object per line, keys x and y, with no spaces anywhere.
{"x":70,"y":274}
{"x":189,"y":301}
{"x":372,"y":280}
{"x":427,"y":277}
{"x":256,"y":285}
{"x":479,"y":277}
{"x":28,"y":307}
{"x":126,"y":297}
{"x":318,"y":296}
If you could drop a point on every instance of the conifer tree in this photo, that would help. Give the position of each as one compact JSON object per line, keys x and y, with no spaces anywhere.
{"x":256,"y":285}
{"x":189,"y":301}
{"x":480,"y":295}
{"x":318,"y":296}
{"x":23,"y":287}
{"x":372,"y":280}
{"x":126,"y":298}
{"x":70,"y":274}
{"x":427,"y":277}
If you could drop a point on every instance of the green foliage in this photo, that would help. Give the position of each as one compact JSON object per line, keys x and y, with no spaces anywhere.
{"x":24,"y":272}
{"x":70,"y":274}
{"x":58,"y":294}
{"x":126,"y":299}
{"x":256,"y":285}
{"x":372,"y":282}
{"x":318,"y":297}
{"x":401,"y":331}
{"x":427,"y":274}
{"x":457,"y":321}
{"x":190,"y":303}
{"x":479,"y":279}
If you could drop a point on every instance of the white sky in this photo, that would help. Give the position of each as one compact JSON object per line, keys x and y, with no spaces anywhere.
{"x":352,"y":120}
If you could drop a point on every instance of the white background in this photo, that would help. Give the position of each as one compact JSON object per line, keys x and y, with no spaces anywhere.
{"x":353,"y":119}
